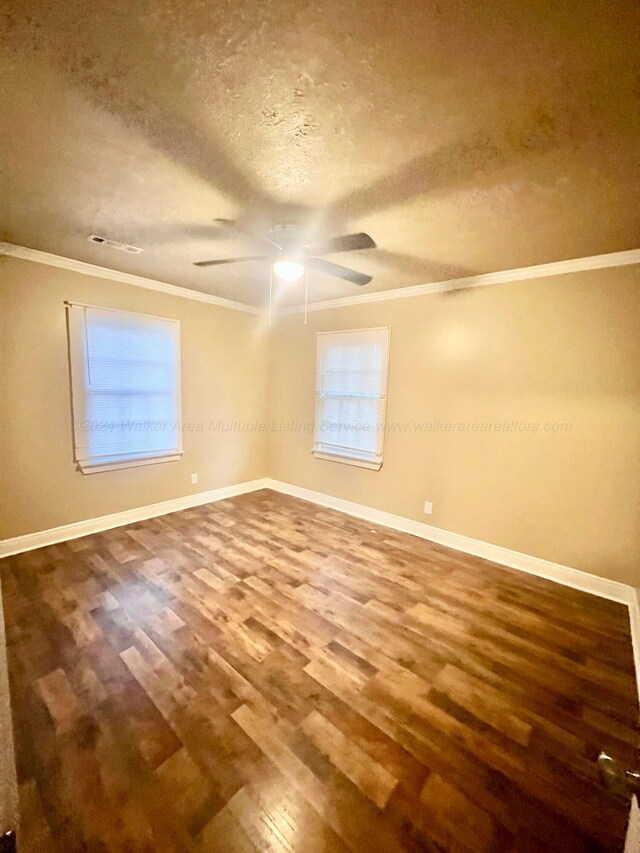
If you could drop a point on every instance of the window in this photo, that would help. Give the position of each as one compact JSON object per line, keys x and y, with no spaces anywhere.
{"x":351,"y":396}
{"x":125,"y":385}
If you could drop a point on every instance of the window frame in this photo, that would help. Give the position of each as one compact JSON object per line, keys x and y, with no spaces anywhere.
{"x":351,"y":456}
{"x":78,"y":379}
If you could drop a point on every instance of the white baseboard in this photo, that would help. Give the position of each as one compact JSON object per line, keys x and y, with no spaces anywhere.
{"x":634,"y":619}
{"x":9,"y":809}
{"x":613,"y":590}
{"x":574,"y":578}
{"x":632,"y":844}
{"x":117,"y":519}
{"x":496,"y":553}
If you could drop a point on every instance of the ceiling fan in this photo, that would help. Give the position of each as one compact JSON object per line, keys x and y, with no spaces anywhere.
{"x":290,"y":257}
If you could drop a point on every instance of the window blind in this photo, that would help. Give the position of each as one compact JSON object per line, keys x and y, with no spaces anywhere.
{"x":125,"y":383}
{"x":351,"y":395}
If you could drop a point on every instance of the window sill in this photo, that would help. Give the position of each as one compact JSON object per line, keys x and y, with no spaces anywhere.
{"x":88,"y":467}
{"x":348,"y":460}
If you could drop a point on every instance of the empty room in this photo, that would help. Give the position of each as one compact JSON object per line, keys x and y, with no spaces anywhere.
{"x":320,"y":406}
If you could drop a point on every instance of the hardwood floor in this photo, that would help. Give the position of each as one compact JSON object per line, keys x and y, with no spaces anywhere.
{"x":264,"y":674}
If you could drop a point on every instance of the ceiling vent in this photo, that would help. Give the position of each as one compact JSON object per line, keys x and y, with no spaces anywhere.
{"x":114,"y":244}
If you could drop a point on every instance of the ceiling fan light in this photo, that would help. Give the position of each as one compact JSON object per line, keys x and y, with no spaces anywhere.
{"x":288,"y":270}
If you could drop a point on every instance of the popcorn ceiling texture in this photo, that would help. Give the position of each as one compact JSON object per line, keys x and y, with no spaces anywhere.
{"x":465,"y":137}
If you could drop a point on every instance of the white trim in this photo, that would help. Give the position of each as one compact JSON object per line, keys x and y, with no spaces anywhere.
{"x":594,"y":262}
{"x":71,"y":304}
{"x":117,"y":519}
{"x":363,"y":329}
{"x":96,"y":467}
{"x":612,"y":590}
{"x":78,"y":326}
{"x":9,"y":808}
{"x":334,"y":448}
{"x":632,"y":844}
{"x":634,"y":619}
{"x":584,"y":581}
{"x":126,"y":278}
{"x":575,"y":578}
{"x":347,"y":459}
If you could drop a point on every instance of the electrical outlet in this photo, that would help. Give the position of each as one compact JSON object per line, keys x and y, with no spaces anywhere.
{"x":428,"y":507}
{"x":194,"y":479}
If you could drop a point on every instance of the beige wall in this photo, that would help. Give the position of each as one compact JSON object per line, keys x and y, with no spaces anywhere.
{"x":223,"y":377}
{"x":557,"y":350}
{"x":563,"y":349}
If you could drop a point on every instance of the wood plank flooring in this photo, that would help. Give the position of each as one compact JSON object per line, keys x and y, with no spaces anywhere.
{"x":262,"y":674}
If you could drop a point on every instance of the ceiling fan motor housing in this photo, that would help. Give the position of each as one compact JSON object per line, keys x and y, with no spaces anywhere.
{"x":291,"y":249}
{"x":289,"y":237}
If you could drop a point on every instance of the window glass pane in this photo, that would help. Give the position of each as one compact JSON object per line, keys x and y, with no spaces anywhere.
{"x":351,"y":391}
{"x":349,"y":422}
{"x":126,"y":385}
{"x":353,"y":369}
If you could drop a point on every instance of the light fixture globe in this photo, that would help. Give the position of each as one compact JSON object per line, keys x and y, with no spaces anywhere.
{"x":288,"y":270}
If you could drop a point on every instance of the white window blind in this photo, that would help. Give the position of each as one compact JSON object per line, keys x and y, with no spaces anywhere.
{"x":351,"y":396}
{"x":125,"y":383}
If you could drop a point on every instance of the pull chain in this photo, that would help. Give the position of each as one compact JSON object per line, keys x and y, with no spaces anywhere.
{"x":270,"y":292}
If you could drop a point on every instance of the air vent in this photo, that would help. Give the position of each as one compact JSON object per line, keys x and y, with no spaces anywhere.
{"x":114,"y":244}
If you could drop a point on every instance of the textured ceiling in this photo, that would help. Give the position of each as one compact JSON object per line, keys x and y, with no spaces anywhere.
{"x":463,"y":136}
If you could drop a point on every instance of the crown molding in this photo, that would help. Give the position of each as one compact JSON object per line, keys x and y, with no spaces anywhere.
{"x":61,"y":262}
{"x":594,"y":262}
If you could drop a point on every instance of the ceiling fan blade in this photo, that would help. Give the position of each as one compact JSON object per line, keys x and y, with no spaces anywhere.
{"x":339,"y":272}
{"x":230,"y":260}
{"x":345,"y":243}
